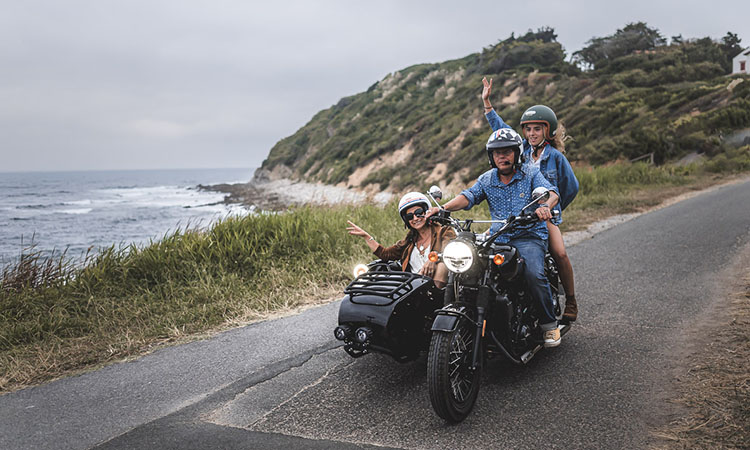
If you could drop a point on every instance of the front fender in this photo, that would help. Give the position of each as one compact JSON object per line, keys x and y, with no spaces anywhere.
{"x":447,"y":318}
{"x":444,"y":322}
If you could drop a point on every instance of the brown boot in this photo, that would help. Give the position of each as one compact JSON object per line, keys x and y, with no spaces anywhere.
{"x":571,"y":309}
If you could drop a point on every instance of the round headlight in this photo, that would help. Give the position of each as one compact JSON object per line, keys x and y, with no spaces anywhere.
{"x":458,"y":256}
{"x":359,"y":269}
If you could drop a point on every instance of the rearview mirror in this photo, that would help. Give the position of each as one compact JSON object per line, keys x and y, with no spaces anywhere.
{"x":540,"y":194}
{"x":436,"y":193}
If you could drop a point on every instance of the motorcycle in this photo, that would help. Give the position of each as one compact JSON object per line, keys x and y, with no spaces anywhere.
{"x":386,"y":310}
{"x":488,"y":310}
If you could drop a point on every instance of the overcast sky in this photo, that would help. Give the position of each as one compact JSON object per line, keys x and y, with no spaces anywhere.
{"x":150,"y":84}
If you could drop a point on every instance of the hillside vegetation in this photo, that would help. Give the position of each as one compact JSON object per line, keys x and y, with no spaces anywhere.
{"x":638,"y":95}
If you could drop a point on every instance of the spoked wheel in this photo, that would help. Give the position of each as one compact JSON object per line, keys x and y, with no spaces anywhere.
{"x":452,"y":384}
{"x":554,"y":283}
{"x":559,"y":305}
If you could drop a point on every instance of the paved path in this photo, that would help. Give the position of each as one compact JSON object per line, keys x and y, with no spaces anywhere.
{"x":285,"y":384}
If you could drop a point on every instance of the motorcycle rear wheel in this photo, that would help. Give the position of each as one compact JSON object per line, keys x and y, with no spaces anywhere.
{"x":453,"y":386}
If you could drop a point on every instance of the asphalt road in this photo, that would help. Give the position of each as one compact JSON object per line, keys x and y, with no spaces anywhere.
{"x":286,"y":384}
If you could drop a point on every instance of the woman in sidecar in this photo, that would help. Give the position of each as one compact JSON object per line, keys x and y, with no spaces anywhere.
{"x":389,"y":308}
{"x":422,"y":238}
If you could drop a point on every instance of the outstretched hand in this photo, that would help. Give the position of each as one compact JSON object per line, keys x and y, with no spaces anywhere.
{"x":487,"y":89}
{"x":354,"y":230}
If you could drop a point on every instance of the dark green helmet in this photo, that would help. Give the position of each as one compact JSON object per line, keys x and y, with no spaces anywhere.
{"x":541,"y":114}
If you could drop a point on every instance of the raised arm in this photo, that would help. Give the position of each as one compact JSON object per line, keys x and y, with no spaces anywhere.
{"x":354,"y":230}
{"x":456,"y":204}
{"x":486,"y":91}
{"x":496,"y":122}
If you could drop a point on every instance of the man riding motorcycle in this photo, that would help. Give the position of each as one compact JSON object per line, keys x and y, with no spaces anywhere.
{"x":508,"y":187}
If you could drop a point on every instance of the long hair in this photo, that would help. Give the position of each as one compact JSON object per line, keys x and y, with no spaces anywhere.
{"x":558,"y":141}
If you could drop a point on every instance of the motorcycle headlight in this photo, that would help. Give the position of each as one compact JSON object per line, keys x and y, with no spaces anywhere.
{"x":458,"y":256}
{"x":359,"y":269}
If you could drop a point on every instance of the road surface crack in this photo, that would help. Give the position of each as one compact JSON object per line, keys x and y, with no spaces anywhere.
{"x":301,"y":389}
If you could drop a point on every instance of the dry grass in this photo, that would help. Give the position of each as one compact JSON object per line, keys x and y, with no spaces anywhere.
{"x":599,"y":204}
{"x":34,"y":270}
{"x":714,"y":390}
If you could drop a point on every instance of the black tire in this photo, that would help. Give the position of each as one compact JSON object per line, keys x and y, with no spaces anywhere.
{"x":452,"y":384}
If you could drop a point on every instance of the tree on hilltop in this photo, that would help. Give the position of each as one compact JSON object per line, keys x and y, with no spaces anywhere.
{"x":544,"y":34}
{"x":634,"y":37}
{"x":730,"y":44}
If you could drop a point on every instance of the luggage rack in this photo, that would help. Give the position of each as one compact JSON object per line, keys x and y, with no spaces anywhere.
{"x":393,"y":285}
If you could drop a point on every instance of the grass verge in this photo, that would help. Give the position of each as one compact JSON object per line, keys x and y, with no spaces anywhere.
{"x":713,"y":387}
{"x":57,"y":317}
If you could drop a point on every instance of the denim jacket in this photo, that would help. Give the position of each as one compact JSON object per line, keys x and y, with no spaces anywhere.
{"x":554,"y":166}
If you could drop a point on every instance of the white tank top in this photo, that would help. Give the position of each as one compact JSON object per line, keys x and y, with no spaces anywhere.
{"x":417,"y":260}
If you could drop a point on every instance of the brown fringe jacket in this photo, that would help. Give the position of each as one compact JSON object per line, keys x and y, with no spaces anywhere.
{"x":402,"y":249}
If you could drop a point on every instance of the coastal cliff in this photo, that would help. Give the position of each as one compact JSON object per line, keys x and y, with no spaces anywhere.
{"x":424,"y":124}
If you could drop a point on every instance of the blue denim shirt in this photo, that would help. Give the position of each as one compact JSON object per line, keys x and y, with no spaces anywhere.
{"x":508,"y":199}
{"x":554,"y":166}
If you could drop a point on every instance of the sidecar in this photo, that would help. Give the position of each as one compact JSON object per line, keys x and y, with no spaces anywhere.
{"x":388,"y":311}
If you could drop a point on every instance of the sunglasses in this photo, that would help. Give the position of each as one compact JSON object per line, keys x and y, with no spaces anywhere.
{"x":418,"y":213}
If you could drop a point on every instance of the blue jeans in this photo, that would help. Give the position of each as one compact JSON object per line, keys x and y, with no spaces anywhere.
{"x":532,"y":250}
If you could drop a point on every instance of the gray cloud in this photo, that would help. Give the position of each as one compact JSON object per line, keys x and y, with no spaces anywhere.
{"x":158,"y":84}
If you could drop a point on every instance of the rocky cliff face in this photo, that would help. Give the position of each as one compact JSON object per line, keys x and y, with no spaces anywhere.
{"x":425,"y":124}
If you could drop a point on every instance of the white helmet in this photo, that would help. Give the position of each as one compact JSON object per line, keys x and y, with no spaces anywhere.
{"x":411,"y":199}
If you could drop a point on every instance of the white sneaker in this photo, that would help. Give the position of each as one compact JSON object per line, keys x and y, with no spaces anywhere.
{"x":552,"y":338}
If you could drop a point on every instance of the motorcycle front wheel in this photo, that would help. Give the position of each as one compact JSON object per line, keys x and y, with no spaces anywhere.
{"x":453,"y":386}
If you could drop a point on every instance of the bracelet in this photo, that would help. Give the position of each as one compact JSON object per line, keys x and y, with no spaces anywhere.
{"x":370,"y":239}
{"x":543,"y":205}
{"x":488,"y":107}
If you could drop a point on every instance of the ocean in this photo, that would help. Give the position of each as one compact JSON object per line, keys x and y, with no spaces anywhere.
{"x":79,"y":210}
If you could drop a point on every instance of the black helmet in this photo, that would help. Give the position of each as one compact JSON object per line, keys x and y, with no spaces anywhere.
{"x":503,"y":138}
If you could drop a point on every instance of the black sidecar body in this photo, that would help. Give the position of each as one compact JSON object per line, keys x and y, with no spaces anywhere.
{"x":388,"y":311}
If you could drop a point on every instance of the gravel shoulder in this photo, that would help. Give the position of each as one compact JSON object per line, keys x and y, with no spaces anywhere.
{"x":711,"y":403}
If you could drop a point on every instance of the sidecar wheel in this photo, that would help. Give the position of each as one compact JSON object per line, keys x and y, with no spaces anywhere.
{"x":452,"y":384}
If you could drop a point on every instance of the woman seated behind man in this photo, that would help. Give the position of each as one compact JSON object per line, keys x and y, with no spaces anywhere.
{"x":422,"y":238}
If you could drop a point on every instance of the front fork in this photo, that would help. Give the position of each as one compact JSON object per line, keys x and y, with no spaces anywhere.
{"x":483,"y":299}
